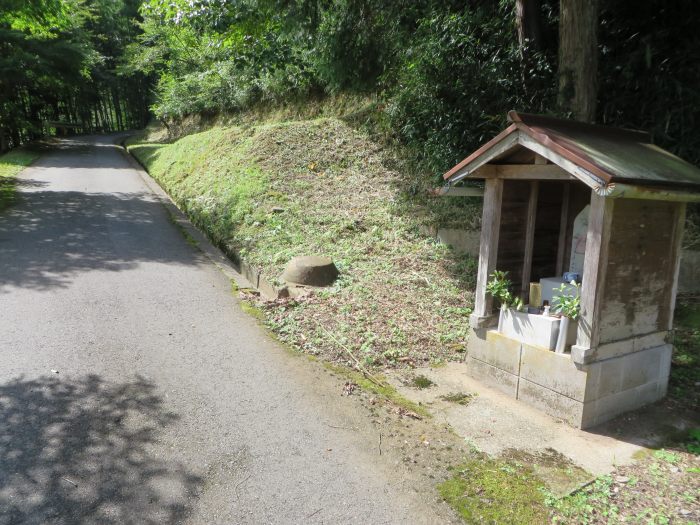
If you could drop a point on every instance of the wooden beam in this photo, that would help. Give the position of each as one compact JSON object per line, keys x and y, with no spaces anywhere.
{"x":494,"y":151}
{"x":539,"y":159}
{"x":590,"y":179}
{"x":488,"y":250}
{"x":451,"y":191}
{"x":529,"y":237}
{"x":563,"y":227}
{"x":594,"y":270}
{"x":522,"y":172}
{"x":629,"y":191}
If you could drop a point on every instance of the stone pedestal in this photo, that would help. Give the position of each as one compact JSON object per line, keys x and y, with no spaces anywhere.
{"x":583,"y":395}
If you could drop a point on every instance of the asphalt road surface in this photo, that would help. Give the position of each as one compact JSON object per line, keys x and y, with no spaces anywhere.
{"x":133,"y":389}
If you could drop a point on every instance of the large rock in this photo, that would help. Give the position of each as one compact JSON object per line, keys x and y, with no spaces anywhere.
{"x":310,"y":270}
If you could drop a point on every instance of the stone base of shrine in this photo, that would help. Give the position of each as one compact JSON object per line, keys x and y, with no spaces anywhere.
{"x":583,"y":395}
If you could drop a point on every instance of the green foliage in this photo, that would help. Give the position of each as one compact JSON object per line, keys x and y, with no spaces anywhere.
{"x":648,"y":74}
{"x":447,"y":71}
{"x":459,"y":76}
{"x":499,"y":286}
{"x":582,"y":506}
{"x":693,"y":442}
{"x":10,"y":165}
{"x":58,"y":63}
{"x":213,"y":57}
{"x":685,"y":372}
{"x":565,"y":303}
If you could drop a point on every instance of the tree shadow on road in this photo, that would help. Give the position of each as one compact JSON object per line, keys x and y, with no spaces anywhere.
{"x":51,"y":236}
{"x":83,"y":452}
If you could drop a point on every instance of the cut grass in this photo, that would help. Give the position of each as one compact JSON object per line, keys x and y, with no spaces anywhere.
{"x":10,"y":165}
{"x":401,"y":297}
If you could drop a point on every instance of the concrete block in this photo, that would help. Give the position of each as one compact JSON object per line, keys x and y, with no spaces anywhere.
{"x":553,"y":371}
{"x":550,"y":402}
{"x":606,"y":408}
{"x":492,"y":376}
{"x":641,"y":368}
{"x":627,"y":372}
{"x":582,"y":355}
{"x":478,"y":322}
{"x":266,"y":288}
{"x":496,"y":350}
{"x":630,"y":345}
{"x":533,"y":329}
{"x":609,"y":379}
{"x":664,"y":370}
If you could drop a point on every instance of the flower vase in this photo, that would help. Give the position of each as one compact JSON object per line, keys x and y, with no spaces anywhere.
{"x":501,"y":315}
{"x":563,"y":332}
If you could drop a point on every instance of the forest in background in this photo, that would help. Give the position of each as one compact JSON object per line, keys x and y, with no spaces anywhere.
{"x":62,"y":69}
{"x":444,"y":72}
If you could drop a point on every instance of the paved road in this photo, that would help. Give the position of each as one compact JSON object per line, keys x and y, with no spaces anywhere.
{"x":134,"y":390}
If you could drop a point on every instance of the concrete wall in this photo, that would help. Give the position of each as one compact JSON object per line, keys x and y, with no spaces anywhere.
{"x":463,"y":241}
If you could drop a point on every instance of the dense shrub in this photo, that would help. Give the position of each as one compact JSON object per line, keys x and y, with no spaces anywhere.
{"x":447,"y":71}
{"x":649,"y":74}
{"x":458,"y":79}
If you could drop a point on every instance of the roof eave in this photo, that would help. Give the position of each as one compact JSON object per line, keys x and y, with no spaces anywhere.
{"x":462,"y":169}
{"x":587,"y":172}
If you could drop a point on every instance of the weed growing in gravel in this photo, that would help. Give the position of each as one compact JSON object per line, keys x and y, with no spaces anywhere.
{"x":460,"y":398}
{"x":421,"y":382}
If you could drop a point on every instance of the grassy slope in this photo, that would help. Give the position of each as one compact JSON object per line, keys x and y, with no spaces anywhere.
{"x":10,"y":165}
{"x":274,"y":191}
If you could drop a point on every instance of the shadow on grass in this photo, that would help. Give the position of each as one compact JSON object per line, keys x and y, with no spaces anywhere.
{"x":80,"y":451}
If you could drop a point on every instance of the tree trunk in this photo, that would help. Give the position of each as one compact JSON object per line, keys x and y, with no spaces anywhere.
{"x":118,"y":109}
{"x":4,"y":141}
{"x":578,"y":58}
{"x":527,"y":16}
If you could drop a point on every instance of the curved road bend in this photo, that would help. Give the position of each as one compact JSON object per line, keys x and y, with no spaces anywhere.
{"x":134,"y":390}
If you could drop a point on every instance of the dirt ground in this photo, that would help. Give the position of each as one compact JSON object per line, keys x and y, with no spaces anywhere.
{"x":642,"y":467}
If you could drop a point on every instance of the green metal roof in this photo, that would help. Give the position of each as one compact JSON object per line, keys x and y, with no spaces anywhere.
{"x":613,"y":154}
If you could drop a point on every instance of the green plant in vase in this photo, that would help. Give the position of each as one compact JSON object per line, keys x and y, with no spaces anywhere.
{"x":565,"y":303}
{"x":499,"y":287}
{"x":568,"y":305}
